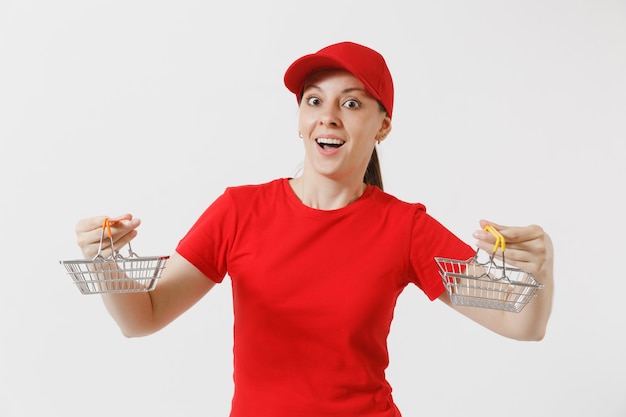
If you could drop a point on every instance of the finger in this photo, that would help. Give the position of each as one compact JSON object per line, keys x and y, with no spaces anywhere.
{"x":530,"y":256}
{"x":119,"y":241}
{"x":89,"y":237}
{"x":523,"y":234}
{"x":513,"y":234}
{"x":117,"y":219}
{"x":93,"y":240}
{"x":525,"y":261}
{"x":522,"y":245}
{"x":89,"y":233}
{"x":96,"y":222}
{"x":484,"y":235}
{"x":484,"y":223}
{"x":105,"y":245}
{"x":89,"y":223}
{"x":120,"y":228}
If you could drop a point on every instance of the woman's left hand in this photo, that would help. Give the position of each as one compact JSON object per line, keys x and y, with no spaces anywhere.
{"x":528,"y":248}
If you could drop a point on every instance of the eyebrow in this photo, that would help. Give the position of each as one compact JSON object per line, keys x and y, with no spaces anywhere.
{"x":344,"y":91}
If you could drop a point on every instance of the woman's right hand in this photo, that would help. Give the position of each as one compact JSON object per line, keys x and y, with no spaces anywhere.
{"x":89,"y":232}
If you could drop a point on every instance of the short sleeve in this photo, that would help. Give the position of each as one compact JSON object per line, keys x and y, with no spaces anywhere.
{"x":430,"y":239}
{"x":206,"y":245}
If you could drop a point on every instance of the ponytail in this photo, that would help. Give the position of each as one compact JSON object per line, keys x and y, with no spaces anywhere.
{"x":373,"y":175}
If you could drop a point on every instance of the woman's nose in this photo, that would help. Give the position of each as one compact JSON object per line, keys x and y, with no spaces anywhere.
{"x":329,"y":117}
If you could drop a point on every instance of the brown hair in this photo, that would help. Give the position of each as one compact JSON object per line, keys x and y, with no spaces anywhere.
{"x":373,"y":176}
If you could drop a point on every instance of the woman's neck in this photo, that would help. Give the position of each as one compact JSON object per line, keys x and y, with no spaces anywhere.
{"x":324,"y":193}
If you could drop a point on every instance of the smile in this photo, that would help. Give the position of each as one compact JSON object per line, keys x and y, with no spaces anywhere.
{"x":326,"y":143}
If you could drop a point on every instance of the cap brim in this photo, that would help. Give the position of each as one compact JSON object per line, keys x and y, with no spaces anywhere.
{"x":297,"y":73}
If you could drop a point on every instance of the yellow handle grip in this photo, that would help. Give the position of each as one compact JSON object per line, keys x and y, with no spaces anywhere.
{"x":499,"y":238}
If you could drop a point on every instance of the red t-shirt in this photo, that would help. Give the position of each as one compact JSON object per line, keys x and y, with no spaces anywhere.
{"x":314,"y":293}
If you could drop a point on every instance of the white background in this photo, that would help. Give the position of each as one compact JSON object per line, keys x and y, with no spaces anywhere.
{"x":512,"y":111}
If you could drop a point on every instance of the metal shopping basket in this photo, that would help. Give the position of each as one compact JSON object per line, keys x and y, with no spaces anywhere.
{"x":488,"y":284}
{"x":116,"y":273}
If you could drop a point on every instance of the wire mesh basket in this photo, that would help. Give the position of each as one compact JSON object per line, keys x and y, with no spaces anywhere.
{"x":487,"y":284}
{"x":116,"y":273}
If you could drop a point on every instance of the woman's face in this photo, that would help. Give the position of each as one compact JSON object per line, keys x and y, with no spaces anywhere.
{"x":340,"y":122}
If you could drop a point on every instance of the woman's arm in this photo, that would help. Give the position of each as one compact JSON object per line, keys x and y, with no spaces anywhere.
{"x":530,"y":249}
{"x":138,"y":314}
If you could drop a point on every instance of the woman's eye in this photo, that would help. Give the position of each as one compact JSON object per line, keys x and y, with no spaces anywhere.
{"x":313,"y":101}
{"x":352,"y":104}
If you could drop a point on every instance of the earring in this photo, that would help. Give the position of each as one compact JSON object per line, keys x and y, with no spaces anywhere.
{"x":300,"y":135}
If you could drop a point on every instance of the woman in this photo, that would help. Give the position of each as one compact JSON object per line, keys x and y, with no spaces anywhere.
{"x":317,"y":262}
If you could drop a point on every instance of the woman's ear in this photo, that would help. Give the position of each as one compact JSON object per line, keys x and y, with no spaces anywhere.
{"x":384,"y":130}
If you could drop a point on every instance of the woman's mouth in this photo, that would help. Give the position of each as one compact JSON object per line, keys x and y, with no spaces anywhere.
{"x":329,"y":143}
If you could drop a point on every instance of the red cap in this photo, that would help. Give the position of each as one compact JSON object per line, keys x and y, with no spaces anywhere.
{"x":364,"y":63}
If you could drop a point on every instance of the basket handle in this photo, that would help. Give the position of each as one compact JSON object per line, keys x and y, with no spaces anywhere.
{"x":499,"y":238}
{"x":500,"y":243}
{"x":106,"y":227}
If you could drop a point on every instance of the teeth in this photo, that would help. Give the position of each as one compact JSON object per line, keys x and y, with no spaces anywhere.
{"x":329,"y":141}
